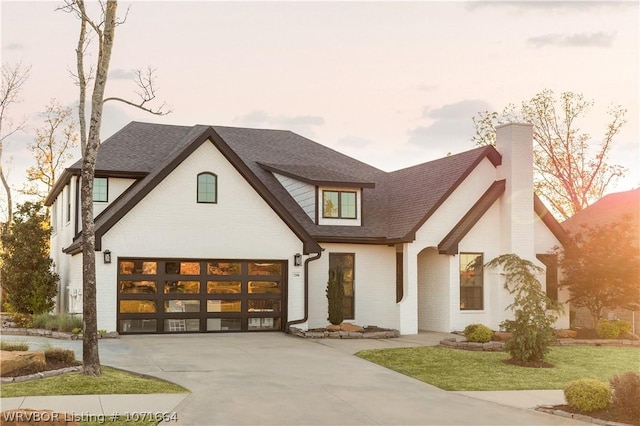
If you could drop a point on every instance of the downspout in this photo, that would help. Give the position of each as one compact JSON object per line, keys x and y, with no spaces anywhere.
{"x":306,"y":293}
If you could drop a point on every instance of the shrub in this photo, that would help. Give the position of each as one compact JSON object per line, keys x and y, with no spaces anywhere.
{"x":62,"y":322}
{"x":478,"y":333}
{"x":587,"y":394}
{"x":68,"y":322}
{"x":22,"y":320}
{"x":626,"y":393}
{"x":534,"y":313}
{"x":612,"y":329}
{"x":14,"y":346}
{"x":335,"y":296}
{"x":59,"y":355}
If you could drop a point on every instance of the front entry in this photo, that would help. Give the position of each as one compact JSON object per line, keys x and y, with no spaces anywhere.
{"x":182,"y":296}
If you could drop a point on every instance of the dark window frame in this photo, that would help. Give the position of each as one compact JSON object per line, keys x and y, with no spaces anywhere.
{"x":340,"y":216}
{"x":215,"y":188}
{"x":399,"y":276}
{"x":348,"y":315}
{"x":106,"y":194}
{"x":476,"y":288}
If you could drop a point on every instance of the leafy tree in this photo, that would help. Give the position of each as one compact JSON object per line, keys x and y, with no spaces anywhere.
{"x":335,"y":296}
{"x":534,"y":312}
{"x":51,"y":148}
{"x":568,"y":173}
{"x":30,"y":284}
{"x":601,"y":266}
{"x":13,"y":79}
{"x":104,"y":30}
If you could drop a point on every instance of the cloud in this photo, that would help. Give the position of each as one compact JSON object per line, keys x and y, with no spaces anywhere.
{"x":15,"y":46}
{"x":598,"y":39}
{"x":547,"y":6}
{"x":450,"y":129}
{"x":261,"y":119}
{"x":355,"y":142}
{"x":120,"y":74}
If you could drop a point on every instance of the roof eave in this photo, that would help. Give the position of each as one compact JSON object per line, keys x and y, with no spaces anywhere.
{"x":316,"y":182}
{"x":547,"y":218}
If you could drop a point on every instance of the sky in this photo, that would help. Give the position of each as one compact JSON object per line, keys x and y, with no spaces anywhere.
{"x":392,"y":84}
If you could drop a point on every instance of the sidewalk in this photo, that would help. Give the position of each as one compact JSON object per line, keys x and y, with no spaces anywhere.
{"x":95,"y":405}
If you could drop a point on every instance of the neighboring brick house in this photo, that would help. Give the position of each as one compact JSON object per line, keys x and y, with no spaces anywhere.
{"x":610,"y":208}
{"x":210,"y":228}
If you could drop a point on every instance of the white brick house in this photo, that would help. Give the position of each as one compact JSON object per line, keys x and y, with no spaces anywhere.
{"x":213,"y":229}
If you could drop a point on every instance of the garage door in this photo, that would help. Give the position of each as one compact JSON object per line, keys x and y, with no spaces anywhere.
{"x":183,"y":296}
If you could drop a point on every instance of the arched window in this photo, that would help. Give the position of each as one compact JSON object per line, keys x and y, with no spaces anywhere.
{"x":207,"y":188}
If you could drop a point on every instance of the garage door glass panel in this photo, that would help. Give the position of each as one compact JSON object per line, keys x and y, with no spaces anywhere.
{"x":130,"y":267}
{"x":264,"y":323}
{"x":257,"y":268}
{"x":139,"y":326}
{"x":177,"y":325}
{"x":182,"y":306}
{"x":182,"y":268}
{"x":224,"y":306}
{"x":182,"y":287}
{"x":222,"y":287}
{"x":137,"y":307}
{"x":138,"y":287}
{"x":201,"y":295}
{"x":270,"y":305}
{"x":264,"y":287}
{"x":224,"y":324}
{"x":223,"y":268}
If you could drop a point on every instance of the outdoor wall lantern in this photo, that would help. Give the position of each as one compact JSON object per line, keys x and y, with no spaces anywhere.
{"x":297,"y":259}
{"x":107,"y":256}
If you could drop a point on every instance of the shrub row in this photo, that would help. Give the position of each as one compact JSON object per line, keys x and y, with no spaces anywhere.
{"x":622,"y":391}
{"x":61,"y":322}
{"x":612,"y":329}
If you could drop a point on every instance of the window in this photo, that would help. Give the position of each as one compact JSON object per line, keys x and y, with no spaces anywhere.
{"x":207,"y":188}
{"x":339,"y":204}
{"x":67,"y":190}
{"x":551,"y":275}
{"x":101,"y":189}
{"x":471,"y":281}
{"x":344,"y":263}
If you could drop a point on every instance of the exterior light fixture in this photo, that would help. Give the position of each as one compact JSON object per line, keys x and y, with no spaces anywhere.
{"x":297,"y":259}
{"x":107,"y":256}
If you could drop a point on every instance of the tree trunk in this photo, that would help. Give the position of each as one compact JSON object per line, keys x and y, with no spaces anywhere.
{"x":90,"y":356}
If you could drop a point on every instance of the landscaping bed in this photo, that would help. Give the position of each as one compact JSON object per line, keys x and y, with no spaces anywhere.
{"x":346,"y":331}
{"x":604,"y":417}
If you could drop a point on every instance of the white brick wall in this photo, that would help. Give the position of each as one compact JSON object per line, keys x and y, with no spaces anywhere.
{"x":375,"y":285}
{"x":169,"y":223}
{"x":434,"y":291}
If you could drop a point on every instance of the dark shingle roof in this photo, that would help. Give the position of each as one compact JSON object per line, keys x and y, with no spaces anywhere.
{"x":416,"y":192}
{"x":608,"y":209}
{"x":394,"y":206}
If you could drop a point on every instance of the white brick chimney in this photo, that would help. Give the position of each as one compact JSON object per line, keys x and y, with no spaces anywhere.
{"x":515,"y":143}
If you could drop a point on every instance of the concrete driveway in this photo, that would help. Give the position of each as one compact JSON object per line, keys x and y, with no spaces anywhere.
{"x":276,"y":379}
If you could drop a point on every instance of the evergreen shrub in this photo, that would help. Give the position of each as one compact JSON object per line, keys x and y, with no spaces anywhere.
{"x":587,"y":394}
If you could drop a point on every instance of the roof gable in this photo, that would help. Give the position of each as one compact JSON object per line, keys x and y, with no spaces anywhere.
{"x":417,"y":192}
{"x":449,"y":244}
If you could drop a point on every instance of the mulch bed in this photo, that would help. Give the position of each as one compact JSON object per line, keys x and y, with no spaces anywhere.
{"x":50,"y":365}
{"x":610,"y":414}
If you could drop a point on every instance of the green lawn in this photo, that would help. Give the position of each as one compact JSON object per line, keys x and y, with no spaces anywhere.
{"x":454,"y":369}
{"x":112,"y":381}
